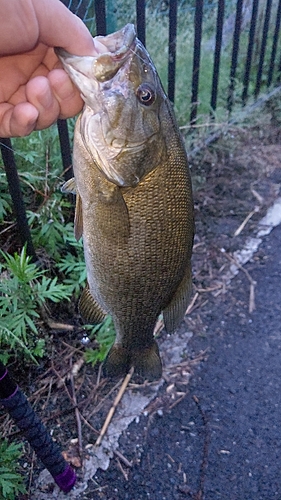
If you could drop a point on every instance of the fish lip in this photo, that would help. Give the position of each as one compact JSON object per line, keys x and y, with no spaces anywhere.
{"x":123,"y":41}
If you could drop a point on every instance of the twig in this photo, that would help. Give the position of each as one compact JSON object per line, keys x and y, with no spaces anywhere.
{"x":122,"y":470}
{"x":99,"y":375}
{"x":114,"y":406}
{"x":200,"y":493}
{"x":253,"y":283}
{"x":177,"y":401}
{"x":192,"y":303}
{"x":59,"y":326}
{"x":77,"y":366}
{"x":158,"y":327}
{"x":124,"y":459}
{"x":100,"y":404}
{"x":257,"y":196}
{"x":49,"y":393}
{"x":210,"y":289}
{"x":88,"y":424}
{"x":31,"y":473}
{"x":77,"y":413}
{"x":241,"y":227}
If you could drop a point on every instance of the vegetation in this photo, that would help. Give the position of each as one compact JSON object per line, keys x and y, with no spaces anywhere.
{"x":104,"y":336}
{"x":23,"y":293}
{"x":11,"y":482}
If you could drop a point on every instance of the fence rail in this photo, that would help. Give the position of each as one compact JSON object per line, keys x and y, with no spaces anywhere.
{"x":248,"y":15}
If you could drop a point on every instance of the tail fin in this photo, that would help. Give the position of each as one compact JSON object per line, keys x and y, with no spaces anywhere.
{"x":117,"y":362}
{"x":146,"y":361}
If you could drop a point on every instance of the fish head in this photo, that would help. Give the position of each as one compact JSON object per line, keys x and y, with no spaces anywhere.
{"x":120,"y":125}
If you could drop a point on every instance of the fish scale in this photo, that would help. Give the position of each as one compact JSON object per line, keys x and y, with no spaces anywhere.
{"x":134,"y":204}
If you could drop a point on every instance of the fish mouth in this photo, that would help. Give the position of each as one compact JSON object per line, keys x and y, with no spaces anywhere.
{"x":112,"y":51}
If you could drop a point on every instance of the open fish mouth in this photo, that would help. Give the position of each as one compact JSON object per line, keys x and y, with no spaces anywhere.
{"x":112,"y":51}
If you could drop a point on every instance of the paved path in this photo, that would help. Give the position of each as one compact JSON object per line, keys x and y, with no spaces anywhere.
{"x":228,"y":445}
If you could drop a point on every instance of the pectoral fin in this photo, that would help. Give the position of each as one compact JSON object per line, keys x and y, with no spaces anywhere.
{"x":78,"y":219}
{"x":89,"y":308}
{"x":174,"y":312}
{"x":69,"y":186}
{"x":113,"y":212}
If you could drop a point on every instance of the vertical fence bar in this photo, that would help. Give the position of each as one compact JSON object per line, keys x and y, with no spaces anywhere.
{"x":217,"y":55}
{"x":16,"y":195}
{"x":172,"y":49}
{"x":65,"y":149}
{"x":234,"y":58}
{"x":274,"y":45}
{"x":100,"y":17}
{"x":140,"y":10}
{"x":111,"y":16}
{"x":251,"y":42}
{"x":196,"y":59}
{"x":263,"y":47}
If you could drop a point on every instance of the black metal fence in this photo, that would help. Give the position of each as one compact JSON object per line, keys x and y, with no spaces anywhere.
{"x":254,"y":68}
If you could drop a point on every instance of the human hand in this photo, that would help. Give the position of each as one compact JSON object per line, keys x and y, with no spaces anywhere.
{"x":34,"y":89}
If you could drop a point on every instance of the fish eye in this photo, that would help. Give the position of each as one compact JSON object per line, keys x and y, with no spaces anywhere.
{"x":146,"y":94}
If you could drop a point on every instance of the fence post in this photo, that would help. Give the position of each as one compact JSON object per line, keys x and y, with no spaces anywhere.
{"x":65,"y":149}
{"x":217,"y":56}
{"x":16,"y":195}
{"x":100,"y":17}
{"x":263,"y":46}
{"x":196,"y":59}
{"x":172,"y":49}
{"x":251,"y":42}
{"x":140,"y":10}
{"x":234,"y":58}
{"x":274,"y":44}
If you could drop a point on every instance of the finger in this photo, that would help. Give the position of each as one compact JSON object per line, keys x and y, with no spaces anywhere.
{"x":66,"y":93}
{"x":17,"y":121}
{"x":40,"y":95}
{"x":63,"y":29}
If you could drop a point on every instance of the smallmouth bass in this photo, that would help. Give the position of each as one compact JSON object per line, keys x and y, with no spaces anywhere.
{"x":134,"y":204}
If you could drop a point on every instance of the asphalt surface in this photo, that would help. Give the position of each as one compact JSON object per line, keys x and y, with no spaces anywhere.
{"x":223,"y":440}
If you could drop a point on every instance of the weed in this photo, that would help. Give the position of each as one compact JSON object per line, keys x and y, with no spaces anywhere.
{"x":24,"y":288}
{"x":104,"y":335}
{"x":11,"y":482}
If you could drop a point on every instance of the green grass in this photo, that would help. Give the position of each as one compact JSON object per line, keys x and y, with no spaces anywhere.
{"x":11,"y":482}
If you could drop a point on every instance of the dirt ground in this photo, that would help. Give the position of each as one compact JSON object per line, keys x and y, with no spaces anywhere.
{"x":235,"y":180}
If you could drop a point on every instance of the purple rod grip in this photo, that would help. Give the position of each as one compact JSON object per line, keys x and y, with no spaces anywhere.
{"x":66,"y":479}
{"x":13,"y":399}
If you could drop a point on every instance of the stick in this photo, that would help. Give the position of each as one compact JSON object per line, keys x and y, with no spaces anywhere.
{"x":253,"y":283}
{"x":192,"y":303}
{"x":77,"y":413}
{"x":241,"y":227}
{"x":114,"y":406}
{"x":124,"y":459}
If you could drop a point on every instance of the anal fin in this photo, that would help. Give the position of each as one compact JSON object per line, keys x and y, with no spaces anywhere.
{"x":175,"y":311}
{"x":89,"y":309}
